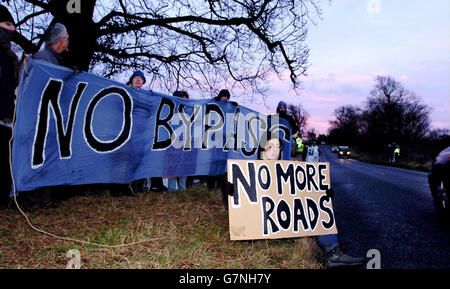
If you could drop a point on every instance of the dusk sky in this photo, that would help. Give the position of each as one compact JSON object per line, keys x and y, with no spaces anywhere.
{"x":356,"y":40}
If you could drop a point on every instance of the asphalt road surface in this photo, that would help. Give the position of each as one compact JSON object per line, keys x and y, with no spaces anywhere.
{"x":387,"y":209}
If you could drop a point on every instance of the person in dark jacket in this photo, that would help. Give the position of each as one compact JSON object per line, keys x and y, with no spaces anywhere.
{"x":220,"y":180}
{"x":9,"y":66}
{"x":282,"y":112}
{"x":224,"y":95}
{"x":8,"y":82}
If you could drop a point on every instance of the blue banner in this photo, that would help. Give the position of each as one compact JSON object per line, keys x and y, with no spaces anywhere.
{"x":78,"y":128}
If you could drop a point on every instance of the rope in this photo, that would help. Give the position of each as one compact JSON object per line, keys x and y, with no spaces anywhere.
{"x":25,"y":215}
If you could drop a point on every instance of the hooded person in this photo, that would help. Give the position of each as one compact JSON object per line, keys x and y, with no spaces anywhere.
{"x":282,"y":112}
{"x":8,"y":66}
{"x":8,"y":82}
{"x":137,"y":79}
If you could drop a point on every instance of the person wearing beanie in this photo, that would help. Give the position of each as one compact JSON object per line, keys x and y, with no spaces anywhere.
{"x":8,"y":81}
{"x":224,"y":95}
{"x":178,"y":183}
{"x":184,"y":94}
{"x":137,"y":79}
{"x":56,"y":42}
{"x":6,"y":19}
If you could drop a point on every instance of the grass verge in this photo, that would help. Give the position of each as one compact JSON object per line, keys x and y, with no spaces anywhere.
{"x":367,"y":158}
{"x":189,"y":230}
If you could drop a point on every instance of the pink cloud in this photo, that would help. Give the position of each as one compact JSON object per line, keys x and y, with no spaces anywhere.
{"x":440,"y":124}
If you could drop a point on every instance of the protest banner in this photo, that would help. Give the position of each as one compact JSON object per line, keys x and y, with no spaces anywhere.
{"x":77,"y":128}
{"x":279,"y":199}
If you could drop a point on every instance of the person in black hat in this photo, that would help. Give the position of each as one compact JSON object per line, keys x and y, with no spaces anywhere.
{"x":224,"y":95}
{"x":8,"y":82}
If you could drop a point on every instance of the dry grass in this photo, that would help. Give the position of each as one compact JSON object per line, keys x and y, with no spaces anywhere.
{"x":191,"y":229}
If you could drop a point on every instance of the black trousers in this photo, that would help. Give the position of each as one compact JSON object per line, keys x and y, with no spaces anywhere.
{"x":5,"y":172}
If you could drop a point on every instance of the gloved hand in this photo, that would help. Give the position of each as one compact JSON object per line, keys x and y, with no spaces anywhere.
{"x":330,"y":193}
{"x":229,"y":189}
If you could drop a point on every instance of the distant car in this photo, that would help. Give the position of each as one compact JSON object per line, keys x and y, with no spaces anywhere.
{"x":334,"y":149}
{"x":438,"y":180}
{"x":343,"y":152}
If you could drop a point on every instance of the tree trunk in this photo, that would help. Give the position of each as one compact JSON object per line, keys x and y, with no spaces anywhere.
{"x":81,"y":28}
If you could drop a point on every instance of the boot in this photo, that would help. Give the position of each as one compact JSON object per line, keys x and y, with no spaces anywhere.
{"x":336,"y":258}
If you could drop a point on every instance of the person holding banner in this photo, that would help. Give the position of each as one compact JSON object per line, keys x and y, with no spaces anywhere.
{"x":225,"y":187}
{"x":155,"y":184}
{"x":137,"y":80}
{"x":178,"y":183}
{"x":8,"y":83}
{"x":270,"y":148}
{"x":213,"y":181}
{"x":56,"y":42}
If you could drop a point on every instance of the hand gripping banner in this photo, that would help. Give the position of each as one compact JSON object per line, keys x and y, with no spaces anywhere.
{"x":78,"y":128}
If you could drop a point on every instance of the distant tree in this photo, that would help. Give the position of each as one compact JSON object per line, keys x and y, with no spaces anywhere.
{"x":437,"y":140}
{"x":395,"y":114}
{"x":322,"y":138}
{"x":311,"y":135}
{"x":438,"y":133}
{"x":347,"y":126}
{"x":206,"y":45}
{"x":300,"y":115}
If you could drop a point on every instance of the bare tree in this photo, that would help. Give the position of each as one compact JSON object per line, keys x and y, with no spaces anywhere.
{"x":311,"y":135}
{"x":438,"y":133}
{"x":300,"y":115}
{"x":347,"y":125}
{"x":203,"y":45}
{"x":394,"y":113}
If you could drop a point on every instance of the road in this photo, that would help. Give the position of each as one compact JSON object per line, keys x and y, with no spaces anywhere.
{"x":388,"y":209}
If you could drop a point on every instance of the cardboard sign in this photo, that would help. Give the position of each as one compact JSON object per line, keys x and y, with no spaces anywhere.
{"x":279,"y":199}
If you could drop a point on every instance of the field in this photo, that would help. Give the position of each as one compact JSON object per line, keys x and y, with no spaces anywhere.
{"x":179,"y":230}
